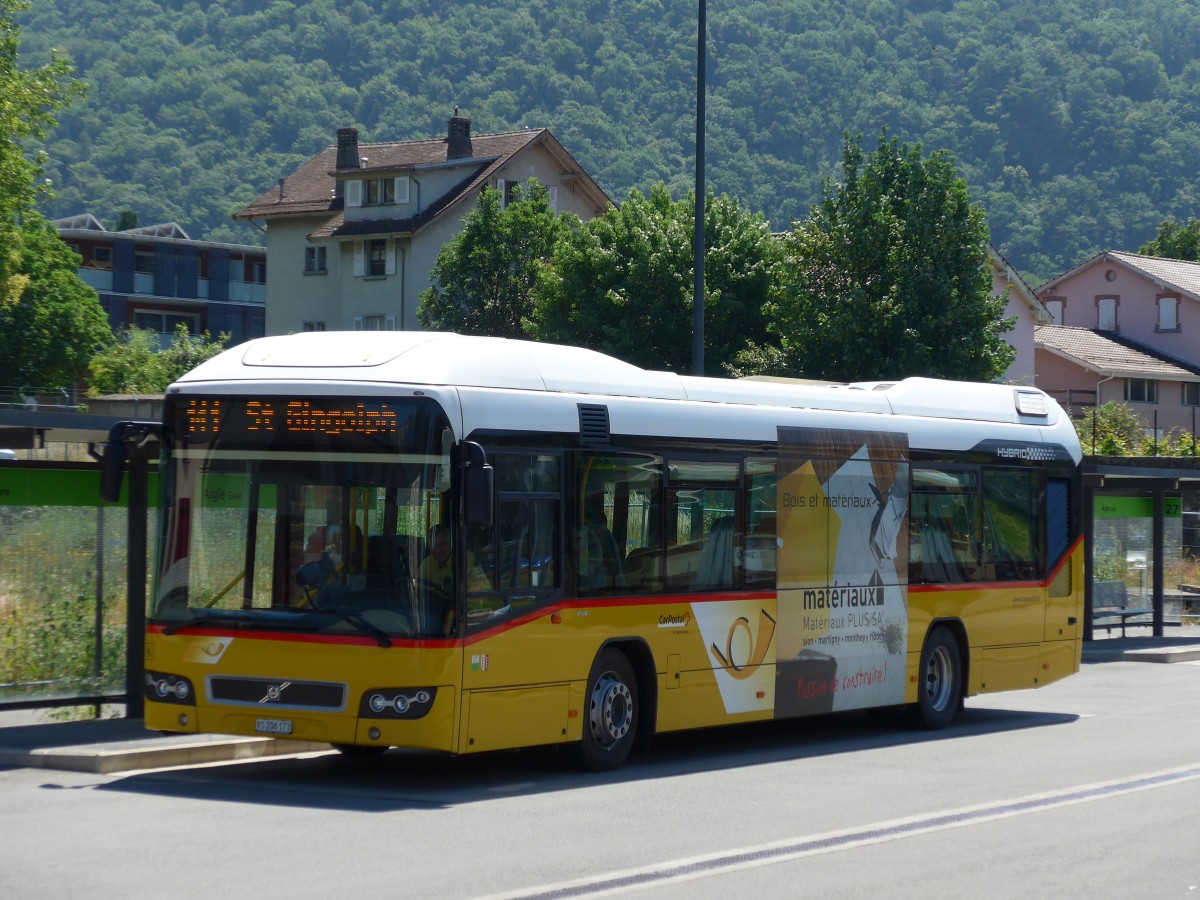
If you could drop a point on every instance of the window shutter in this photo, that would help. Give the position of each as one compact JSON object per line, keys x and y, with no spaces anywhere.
{"x":359,"y":265}
{"x":391,"y":257}
{"x":389,"y":323}
{"x":354,"y":192}
{"x":553,"y":190}
{"x":358,"y":323}
{"x":401,"y":189}
{"x":502,"y":187}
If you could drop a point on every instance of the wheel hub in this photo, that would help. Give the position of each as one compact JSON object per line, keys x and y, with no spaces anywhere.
{"x":611,"y":712}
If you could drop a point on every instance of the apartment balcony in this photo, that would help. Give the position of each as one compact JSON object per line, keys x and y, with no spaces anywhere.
{"x":143,"y":284}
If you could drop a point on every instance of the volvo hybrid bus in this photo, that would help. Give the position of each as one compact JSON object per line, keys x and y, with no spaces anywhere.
{"x":464,"y":544}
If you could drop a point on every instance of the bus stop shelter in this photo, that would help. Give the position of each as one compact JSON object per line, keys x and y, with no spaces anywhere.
{"x":1141,"y":518}
{"x":23,"y":429}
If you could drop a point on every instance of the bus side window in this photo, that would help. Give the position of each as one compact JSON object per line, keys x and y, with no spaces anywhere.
{"x":944,"y":529}
{"x":1012,"y":500}
{"x":758,"y":555}
{"x":618,"y":528}
{"x":513,"y":564}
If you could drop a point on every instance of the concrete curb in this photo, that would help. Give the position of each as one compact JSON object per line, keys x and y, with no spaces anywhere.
{"x":149,"y":753}
{"x":1143,"y":654}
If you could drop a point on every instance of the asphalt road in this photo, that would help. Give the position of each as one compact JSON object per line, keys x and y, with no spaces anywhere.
{"x":1086,"y":788}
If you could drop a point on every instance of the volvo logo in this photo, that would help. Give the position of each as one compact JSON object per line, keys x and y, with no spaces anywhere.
{"x":274,"y":692}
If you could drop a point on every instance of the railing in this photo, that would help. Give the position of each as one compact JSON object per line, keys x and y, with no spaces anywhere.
{"x":1074,"y":399}
{"x":143,"y":283}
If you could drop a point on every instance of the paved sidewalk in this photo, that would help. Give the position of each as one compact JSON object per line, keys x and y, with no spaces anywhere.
{"x":32,"y":740}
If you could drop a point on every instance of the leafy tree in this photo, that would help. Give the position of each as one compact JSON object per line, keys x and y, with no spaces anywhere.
{"x":133,"y":364}
{"x":51,"y":329}
{"x":126,"y":220}
{"x":888,"y":277}
{"x":125,"y":366}
{"x":1111,"y":429}
{"x":623,"y":283}
{"x":1175,"y":241}
{"x":483,"y":280}
{"x":50,"y":321}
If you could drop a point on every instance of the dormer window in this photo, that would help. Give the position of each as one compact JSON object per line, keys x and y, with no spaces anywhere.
{"x":377,"y":191}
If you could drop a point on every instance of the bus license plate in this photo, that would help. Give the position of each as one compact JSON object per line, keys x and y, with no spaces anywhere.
{"x":272,"y":726}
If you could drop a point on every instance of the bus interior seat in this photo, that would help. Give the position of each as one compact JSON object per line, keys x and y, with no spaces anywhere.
{"x":937,"y":554}
{"x":600,"y":566}
{"x":716,"y":559}
{"x":387,"y":566}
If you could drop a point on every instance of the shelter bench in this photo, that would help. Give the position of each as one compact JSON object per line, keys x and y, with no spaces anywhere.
{"x":1111,"y":609}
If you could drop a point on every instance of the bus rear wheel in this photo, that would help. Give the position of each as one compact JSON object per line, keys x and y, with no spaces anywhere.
{"x":940,"y":687}
{"x":610,"y":726}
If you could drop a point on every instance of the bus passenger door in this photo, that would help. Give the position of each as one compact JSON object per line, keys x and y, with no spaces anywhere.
{"x":515,"y":693}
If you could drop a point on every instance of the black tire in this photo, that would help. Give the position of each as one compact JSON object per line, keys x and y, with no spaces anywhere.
{"x":939,"y":681}
{"x":610,"y":720}
{"x":359,"y":751}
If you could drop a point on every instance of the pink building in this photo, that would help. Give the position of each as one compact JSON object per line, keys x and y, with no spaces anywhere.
{"x":1125,"y":329}
{"x":1026,"y":308}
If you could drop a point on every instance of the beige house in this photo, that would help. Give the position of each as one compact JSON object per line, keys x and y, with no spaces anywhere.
{"x":1125,"y":329}
{"x":354,"y":232}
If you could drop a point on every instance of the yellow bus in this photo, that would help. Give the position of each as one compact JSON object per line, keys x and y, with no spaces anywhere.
{"x":466,"y":544}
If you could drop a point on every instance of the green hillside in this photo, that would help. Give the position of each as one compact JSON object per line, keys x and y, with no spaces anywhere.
{"x":1075,"y":122}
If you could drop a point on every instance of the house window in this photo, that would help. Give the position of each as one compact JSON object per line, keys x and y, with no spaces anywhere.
{"x":314,"y":326}
{"x":314,"y":259}
{"x":1141,"y":390}
{"x":143,"y":262}
{"x":374,"y":323}
{"x":377,"y":191}
{"x":508,"y":190}
{"x":164,"y":324}
{"x":1055,"y":308}
{"x":1190,"y":393}
{"x":258,"y":272}
{"x":1106,"y":313}
{"x":377,"y":258}
{"x":102,"y":255}
{"x":1168,"y":313}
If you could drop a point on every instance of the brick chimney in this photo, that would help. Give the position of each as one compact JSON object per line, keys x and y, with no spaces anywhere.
{"x":347,"y":148}
{"x":458,"y":140}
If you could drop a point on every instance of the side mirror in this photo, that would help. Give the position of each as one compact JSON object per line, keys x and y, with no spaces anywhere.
{"x":121,"y":437}
{"x":112,"y":470}
{"x":479,"y":486}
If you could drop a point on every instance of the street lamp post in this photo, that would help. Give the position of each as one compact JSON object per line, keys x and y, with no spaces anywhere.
{"x":698,"y":246}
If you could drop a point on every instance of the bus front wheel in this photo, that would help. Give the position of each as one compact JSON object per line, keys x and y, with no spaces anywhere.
{"x":940,"y":687}
{"x":610,"y":726}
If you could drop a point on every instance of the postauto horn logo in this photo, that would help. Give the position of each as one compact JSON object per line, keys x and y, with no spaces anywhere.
{"x":742,"y":663}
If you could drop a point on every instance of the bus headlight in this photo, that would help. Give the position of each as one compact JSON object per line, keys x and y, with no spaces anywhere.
{"x":163,"y":688}
{"x":396,"y":703}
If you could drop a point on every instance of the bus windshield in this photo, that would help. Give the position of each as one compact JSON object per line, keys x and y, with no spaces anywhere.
{"x":306,"y":514}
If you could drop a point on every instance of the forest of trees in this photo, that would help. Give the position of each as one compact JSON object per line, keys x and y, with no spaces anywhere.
{"x":1076,"y":123}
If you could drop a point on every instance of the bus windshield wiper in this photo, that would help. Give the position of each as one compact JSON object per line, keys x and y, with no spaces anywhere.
{"x":357,"y":620}
{"x":208,"y":618}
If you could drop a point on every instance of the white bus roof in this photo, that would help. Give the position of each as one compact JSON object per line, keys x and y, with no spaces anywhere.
{"x":444,"y":359}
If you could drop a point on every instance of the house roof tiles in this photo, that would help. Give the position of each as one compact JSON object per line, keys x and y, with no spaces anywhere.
{"x":310,"y":189}
{"x":1169,"y":274}
{"x":1110,"y":354}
